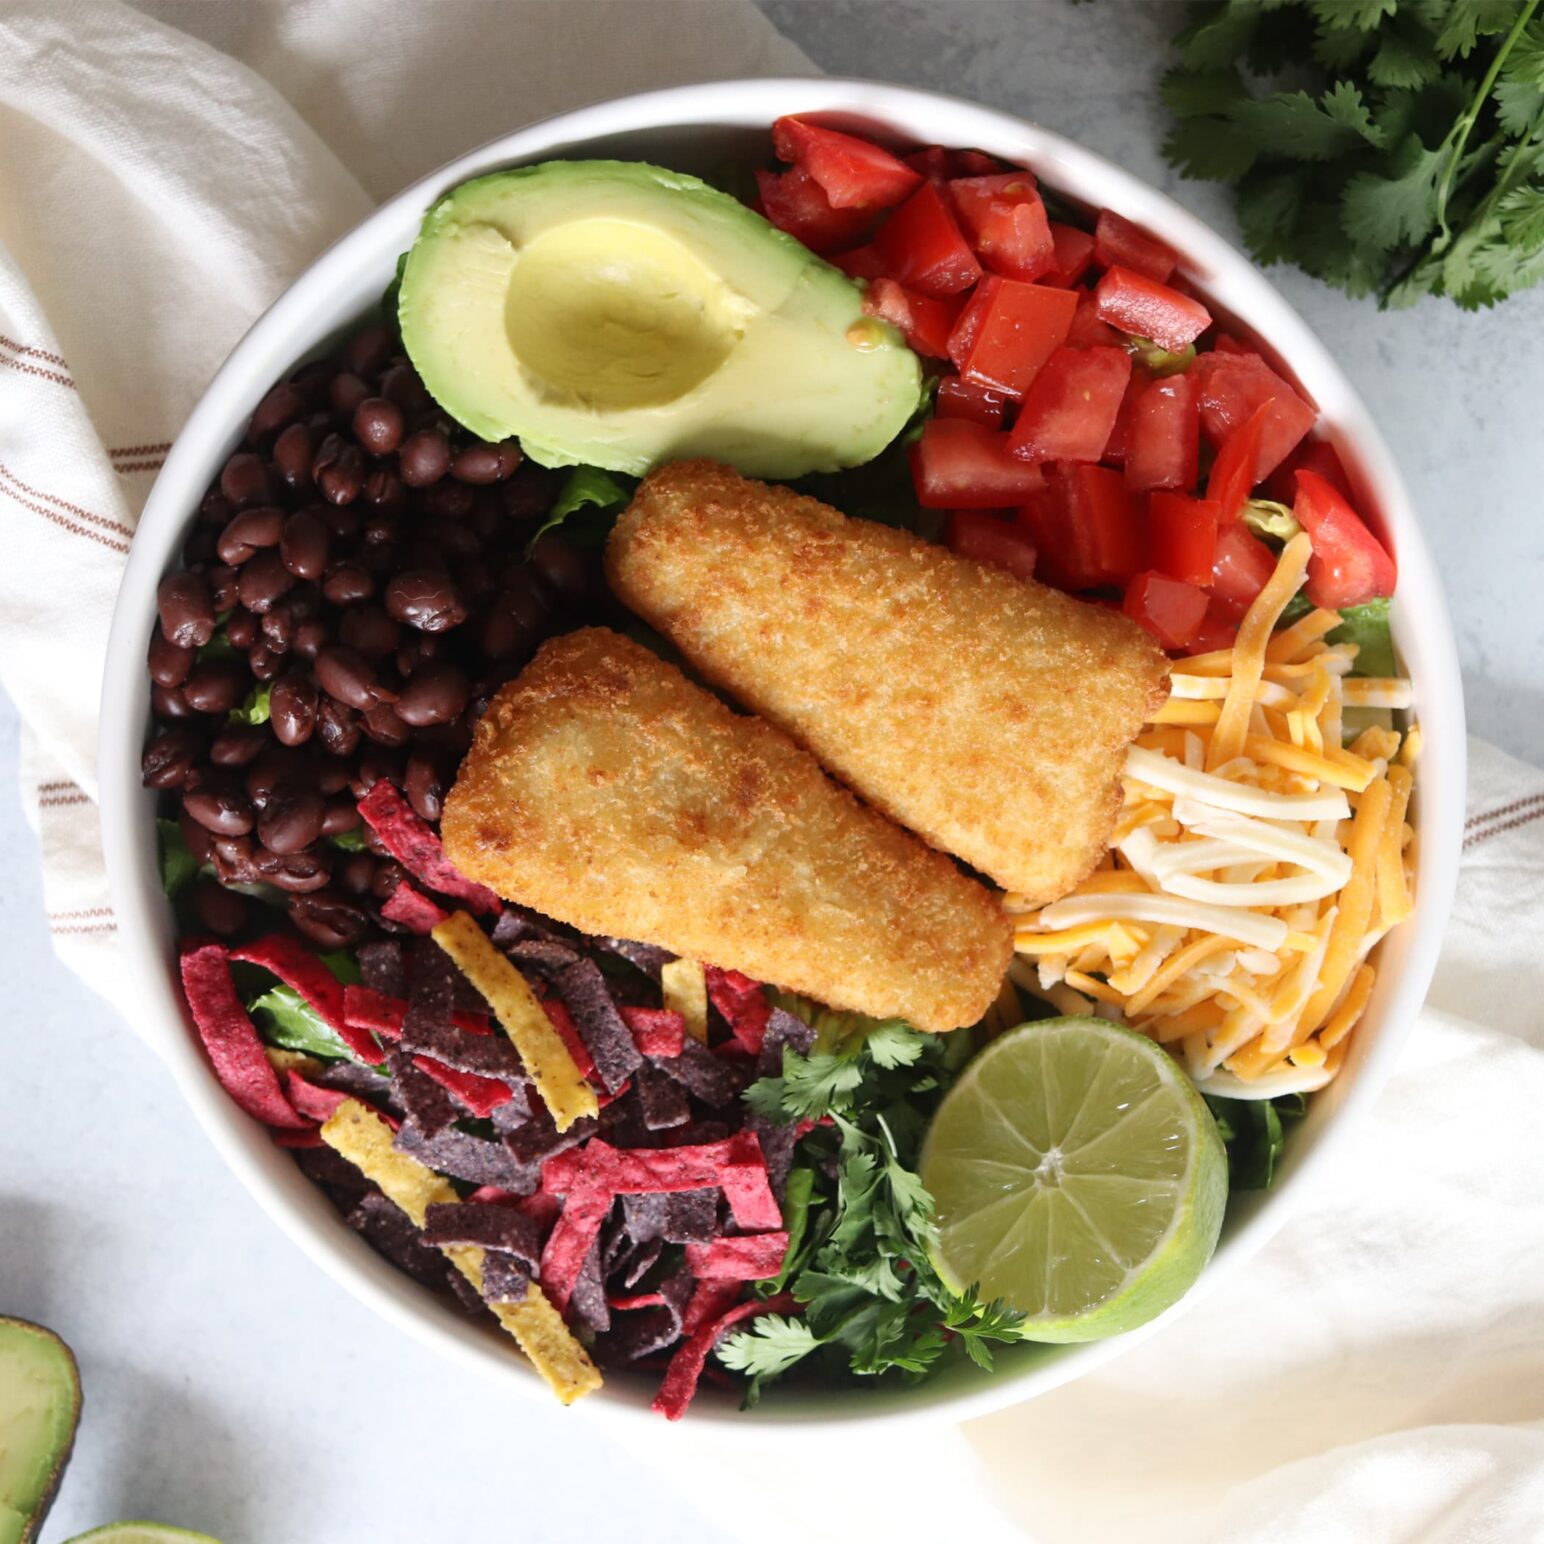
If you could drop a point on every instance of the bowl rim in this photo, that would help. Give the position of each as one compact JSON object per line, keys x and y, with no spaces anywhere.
{"x":213,"y":428}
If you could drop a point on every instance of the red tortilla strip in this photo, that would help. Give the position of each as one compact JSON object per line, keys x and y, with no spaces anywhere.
{"x":230,"y":1038}
{"x":570,"y":1242}
{"x":743,"y":1004}
{"x":746,"y":1257}
{"x":297,"y":967}
{"x":310,"y":1137}
{"x":482,"y":1096}
{"x":747,"y":1185}
{"x":685,"y":1370}
{"x":638,"y":1300}
{"x":311,"y":1099}
{"x":568,"y":1033}
{"x":412,"y":842}
{"x":365,"y":1008}
{"x":656,"y":1031}
{"x":412,"y":909}
{"x":708,"y":1301}
{"x":638,"y":1170}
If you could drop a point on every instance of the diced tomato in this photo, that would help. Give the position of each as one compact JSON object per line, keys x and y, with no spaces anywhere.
{"x":1006,"y":223}
{"x":959,"y":398}
{"x":1310,"y":456}
{"x":922,"y":246}
{"x":984,"y":538}
{"x":1232,"y":473}
{"x":1120,"y":244}
{"x":1146,"y":309}
{"x":932,"y":163}
{"x":1008,"y":331}
{"x":1070,"y":407}
{"x":1100,"y":535}
{"x":1163,"y":439}
{"x":1240,"y":569}
{"x":1074,"y":251}
{"x":1226,"y":343}
{"x":854,"y":173}
{"x":1349,"y":564}
{"x":1219,"y":630}
{"x":926,"y":322}
{"x":860,"y":263}
{"x":957,"y":464}
{"x":1232,"y":387}
{"x":1120,"y":435}
{"x":1182,"y":537}
{"x":794,"y":202}
{"x":1171,"y":610}
{"x":976,"y":163}
{"x":1087,"y":331}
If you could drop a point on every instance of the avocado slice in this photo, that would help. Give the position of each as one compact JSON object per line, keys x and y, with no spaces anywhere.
{"x":39,"y":1411}
{"x":617,"y":314}
{"x":141,"y":1533}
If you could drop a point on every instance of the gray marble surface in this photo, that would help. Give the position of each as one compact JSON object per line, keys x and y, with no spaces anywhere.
{"x":230,"y":1386}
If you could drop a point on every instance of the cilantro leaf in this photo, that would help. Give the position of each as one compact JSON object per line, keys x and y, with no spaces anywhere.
{"x":770,"y":1346}
{"x":1292,"y":123}
{"x":177,"y":862}
{"x":1470,"y":20}
{"x":1382,"y":211}
{"x":1200,"y":93}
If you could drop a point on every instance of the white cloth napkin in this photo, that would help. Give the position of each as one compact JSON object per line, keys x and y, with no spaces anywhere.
{"x":1376,"y":1374}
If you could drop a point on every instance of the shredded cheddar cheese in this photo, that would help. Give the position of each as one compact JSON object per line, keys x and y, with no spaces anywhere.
{"x":1256,"y":862}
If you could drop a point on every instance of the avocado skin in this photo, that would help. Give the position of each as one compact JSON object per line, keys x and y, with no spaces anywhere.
{"x":510,"y":300}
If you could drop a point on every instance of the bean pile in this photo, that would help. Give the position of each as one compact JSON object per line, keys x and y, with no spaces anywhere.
{"x":363,"y":559}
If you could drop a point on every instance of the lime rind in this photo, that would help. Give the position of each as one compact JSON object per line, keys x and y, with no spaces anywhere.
{"x":142,"y":1533}
{"x":1078,"y":1176}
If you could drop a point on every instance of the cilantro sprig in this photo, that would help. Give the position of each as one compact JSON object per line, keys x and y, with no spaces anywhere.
{"x":861,"y":1224}
{"x":1389,"y":147}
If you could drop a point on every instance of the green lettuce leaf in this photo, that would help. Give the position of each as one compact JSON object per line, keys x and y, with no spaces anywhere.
{"x":1254,"y":1131}
{"x":587,"y":507}
{"x":177,"y":865}
{"x":1367,"y":626}
{"x":255,"y":709}
{"x":284,"y":1018}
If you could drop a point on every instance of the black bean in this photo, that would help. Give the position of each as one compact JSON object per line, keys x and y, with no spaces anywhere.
{"x":561,"y":566}
{"x":169,"y":665}
{"x":388,"y":875}
{"x":215,"y":509}
{"x":303,"y":545}
{"x":427,"y":599}
{"x":355,"y":873}
{"x":424,"y":458}
{"x":264,"y":578}
{"x":376,"y":764}
{"x":342,"y":814}
{"x":337,"y":727}
{"x":310,"y":638}
{"x":171,"y":757}
{"x":276,"y":766}
{"x":382,"y":530}
{"x":313,"y":379}
{"x":297,"y":872}
{"x":342,"y":522}
{"x":347,"y":675}
{"x":369,"y":630}
{"x":347,"y":583}
{"x":216,"y":685}
{"x":328,"y":776}
{"x":517,"y":619}
{"x":249,"y":531}
{"x":486,"y":463}
{"x":238,"y":745}
{"x":448,"y":500}
{"x":199,"y":547}
{"x":380,"y":559}
{"x":167,"y":703}
{"x":245,"y":481}
{"x":200,"y":842}
{"x":328,"y":920}
{"x":220,"y":808}
{"x":219,"y":910}
{"x":265,"y":661}
{"x":232,"y":860}
{"x":339,"y":469}
{"x":223,"y":586}
{"x":415,"y":650}
{"x":292,"y":709}
{"x":368,"y":350}
{"x":378,"y":425}
{"x":186,"y":609}
{"x":424,"y":785}
{"x":436,"y":693}
{"x":291,"y":820}
{"x":293,"y":453}
{"x":402,"y":385}
{"x":528,"y":495}
{"x":345,"y":392}
{"x":476,"y":580}
{"x":279,"y":626}
{"x":283,"y":405}
{"x":383,"y":725}
{"x":241,"y":627}
{"x":384,"y":491}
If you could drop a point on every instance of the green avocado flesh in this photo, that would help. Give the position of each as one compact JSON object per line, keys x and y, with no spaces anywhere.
{"x":620,"y":315}
{"x":39,"y":1409}
{"x":141,"y":1533}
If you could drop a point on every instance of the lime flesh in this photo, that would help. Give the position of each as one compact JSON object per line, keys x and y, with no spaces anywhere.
{"x":141,"y":1533}
{"x":1078,"y":1176}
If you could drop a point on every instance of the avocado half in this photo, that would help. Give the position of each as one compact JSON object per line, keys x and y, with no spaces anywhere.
{"x":620,"y":315}
{"x":39,"y":1411}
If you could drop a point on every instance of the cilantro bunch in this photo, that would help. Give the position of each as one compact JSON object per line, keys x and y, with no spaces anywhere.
{"x":1389,"y":147}
{"x":860,"y":1222}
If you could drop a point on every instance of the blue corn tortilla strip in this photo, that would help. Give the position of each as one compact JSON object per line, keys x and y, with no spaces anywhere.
{"x":431,"y":1108}
{"x":608,"y":1040}
{"x":462,"y":1156}
{"x":543,"y":954}
{"x":712,"y":1078}
{"x":467,"y":1297}
{"x":504,"y":1279}
{"x":392,"y":1234}
{"x":644,"y":1217}
{"x":649,"y":958}
{"x":537,"y":1139}
{"x":587,"y":1302}
{"x":344,"y":1184}
{"x":644,"y":1257}
{"x":783,"y":1029}
{"x":663,"y":1102}
{"x":777,"y":1148}
{"x":520,"y":1108}
{"x":489,"y":1224}
{"x":358,"y":1081}
{"x":519,"y":923}
{"x":491,"y":1056}
{"x":640,"y":1332}
{"x":691,"y":1217}
{"x":381,"y":967}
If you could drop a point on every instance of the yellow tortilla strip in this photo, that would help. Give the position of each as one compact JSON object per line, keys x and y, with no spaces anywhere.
{"x":561,"y":1085}
{"x":356,"y":1132}
{"x":684,"y":985}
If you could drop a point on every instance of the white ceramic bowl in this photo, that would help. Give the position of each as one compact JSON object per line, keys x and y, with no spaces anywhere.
{"x":693,"y":128}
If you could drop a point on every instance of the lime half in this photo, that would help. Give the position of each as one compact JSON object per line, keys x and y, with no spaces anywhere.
{"x":1078,"y":1176}
{"x":141,"y":1533}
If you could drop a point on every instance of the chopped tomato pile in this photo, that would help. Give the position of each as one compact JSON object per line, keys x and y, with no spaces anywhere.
{"x":1092,"y":428}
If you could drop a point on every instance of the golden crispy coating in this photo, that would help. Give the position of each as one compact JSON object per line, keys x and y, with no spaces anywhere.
{"x":988,"y":714}
{"x":605,"y":789}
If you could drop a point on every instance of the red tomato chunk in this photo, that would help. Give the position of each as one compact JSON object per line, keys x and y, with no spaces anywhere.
{"x":1071,"y":405}
{"x":1145,"y":309}
{"x":1120,"y":244}
{"x":1240,"y":571}
{"x":1074,"y":252}
{"x":1085,"y":528}
{"x":1163,"y":439}
{"x":959,"y":398}
{"x":925,"y":322}
{"x":1233,"y":472}
{"x":1349,"y":564}
{"x":985,"y":538}
{"x":1008,"y":331}
{"x":957,"y":464}
{"x":1006,"y":223}
{"x":1310,"y":456}
{"x":860,"y":263}
{"x":1169,"y":609}
{"x":854,"y":173}
{"x":921,"y":245}
{"x":794,"y":202}
{"x":1235,"y":385}
{"x":1182,"y":537}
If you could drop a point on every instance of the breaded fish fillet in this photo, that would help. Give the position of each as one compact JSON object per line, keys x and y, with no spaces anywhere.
{"x":605,"y":789}
{"x":988,"y":714}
